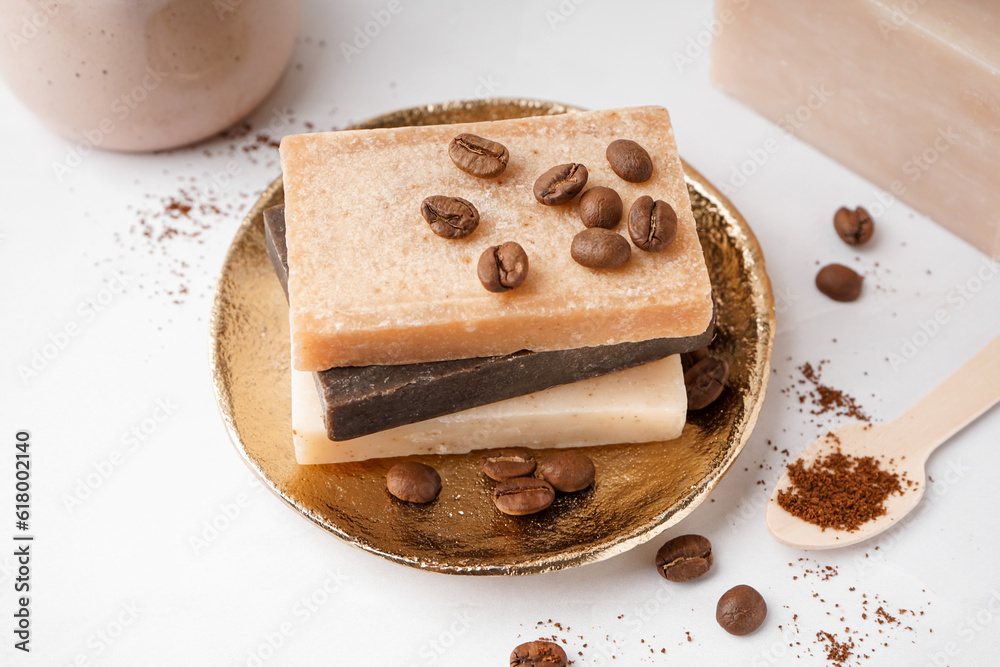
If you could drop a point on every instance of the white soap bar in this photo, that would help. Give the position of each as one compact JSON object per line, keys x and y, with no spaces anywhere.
{"x":642,"y":404}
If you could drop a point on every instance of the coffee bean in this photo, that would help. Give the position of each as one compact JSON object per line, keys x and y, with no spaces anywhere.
{"x":652,"y":225}
{"x":629,"y":160}
{"x":503,"y":464}
{"x":684,"y":558}
{"x":853,"y":227}
{"x":413,"y":482}
{"x":503,"y":267}
{"x":839,"y":282}
{"x":741,"y":610}
{"x":450,"y":217}
{"x":560,"y":184}
{"x":538,"y":654}
{"x":601,"y":207}
{"x":705,"y":381}
{"x":598,"y":248}
{"x":567,"y":471}
{"x":523,"y":495}
{"x":477,"y":156}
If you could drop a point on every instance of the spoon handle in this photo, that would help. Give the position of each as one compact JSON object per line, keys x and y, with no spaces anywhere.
{"x":963,"y":396}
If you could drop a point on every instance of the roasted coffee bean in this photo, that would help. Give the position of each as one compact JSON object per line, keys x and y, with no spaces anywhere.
{"x":705,"y":381}
{"x":539,"y":654}
{"x":560,"y":184}
{"x":450,"y":217}
{"x":839,"y":282}
{"x":652,"y":224}
{"x":601,"y":207}
{"x":523,"y":495}
{"x":629,"y":160}
{"x":853,"y":227}
{"x":413,"y":482}
{"x":741,"y":610}
{"x":684,"y":558}
{"x":477,"y":156}
{"x":567,"y":471}
{"x":503,"y":464}
{"x":598,"y":248}
{"x":503,"y":267}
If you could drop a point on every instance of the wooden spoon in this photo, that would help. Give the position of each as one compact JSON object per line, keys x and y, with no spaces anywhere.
{"x":902,"y":446}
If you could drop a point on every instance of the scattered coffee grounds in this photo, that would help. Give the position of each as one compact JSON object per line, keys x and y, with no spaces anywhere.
{"x":837,"y":652}
{"x":827,"y":399}
{"x":839,"y":491}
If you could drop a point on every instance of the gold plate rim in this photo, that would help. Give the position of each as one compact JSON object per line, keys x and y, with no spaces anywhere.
{"x":763,"y":307}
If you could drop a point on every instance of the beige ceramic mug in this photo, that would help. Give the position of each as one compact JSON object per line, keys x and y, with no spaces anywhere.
{"x":140,"y":75}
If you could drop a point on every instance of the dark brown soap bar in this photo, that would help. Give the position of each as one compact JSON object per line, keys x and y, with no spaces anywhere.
{"x":359,"y":400}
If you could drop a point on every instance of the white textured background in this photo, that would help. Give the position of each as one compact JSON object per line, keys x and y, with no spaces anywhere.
{"x":118,"y":576}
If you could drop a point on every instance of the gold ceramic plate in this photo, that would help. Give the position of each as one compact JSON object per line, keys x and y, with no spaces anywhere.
{"x":640,"y":489}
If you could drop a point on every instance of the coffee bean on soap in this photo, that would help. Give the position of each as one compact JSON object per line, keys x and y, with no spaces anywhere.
{"x":478,"y":156}
{"x":705,"y":381}
{"x":741,"y":610}
{"x":652,"y":224}
{"x":538,"y":654}
{"x":684,"y":558}
{"x":413,"y":482}
{"x":503,"y":464}
{"x":567,"y":471}
{"x":450,"y":217}
{"x":503,"y":267}
{"x":853,"y":227}
{"x":598,"y":248}
{"x":629,"y":160}
{"x":839,"y":282}
{"x":523,"y":495}
{"x":601,"y":207}
{"x":560,"y":184}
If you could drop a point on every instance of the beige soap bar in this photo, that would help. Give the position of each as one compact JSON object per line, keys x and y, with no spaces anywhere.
{"x":370,"y":283}
{"x":907,"y":94}
{"x":642,"y":404}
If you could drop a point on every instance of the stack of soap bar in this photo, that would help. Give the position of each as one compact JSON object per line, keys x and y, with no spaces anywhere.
{"x":370,"y":284}
{"x":358,"y":400}
{"x":907,"y":94}
{"x":643,"y":404}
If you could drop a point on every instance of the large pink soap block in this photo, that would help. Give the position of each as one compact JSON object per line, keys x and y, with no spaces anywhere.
{"x":911,"y":94}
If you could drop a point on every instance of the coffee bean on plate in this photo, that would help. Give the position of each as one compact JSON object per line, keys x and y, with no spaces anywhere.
{"x":523,"y":495}
{"x":503,"y":464}
{"x":629,"y":160}
{"x":567,"y":471}
{"x":652,"y":224}
{"x":741,"y":610}
{"x":478,"y":156}
{"x":601,"y":207}
{"x":503,"y":267}
{"x":853,"y":227}
{"x":839,"y":282}
{"x":413,"y":482}
{"x":560,"y":184}
{"x":684,"y":558}
{"x":538,"y":654}
{"x":705,"y":381}
{"x":598,"y":248}
{"x":450,"y":217}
